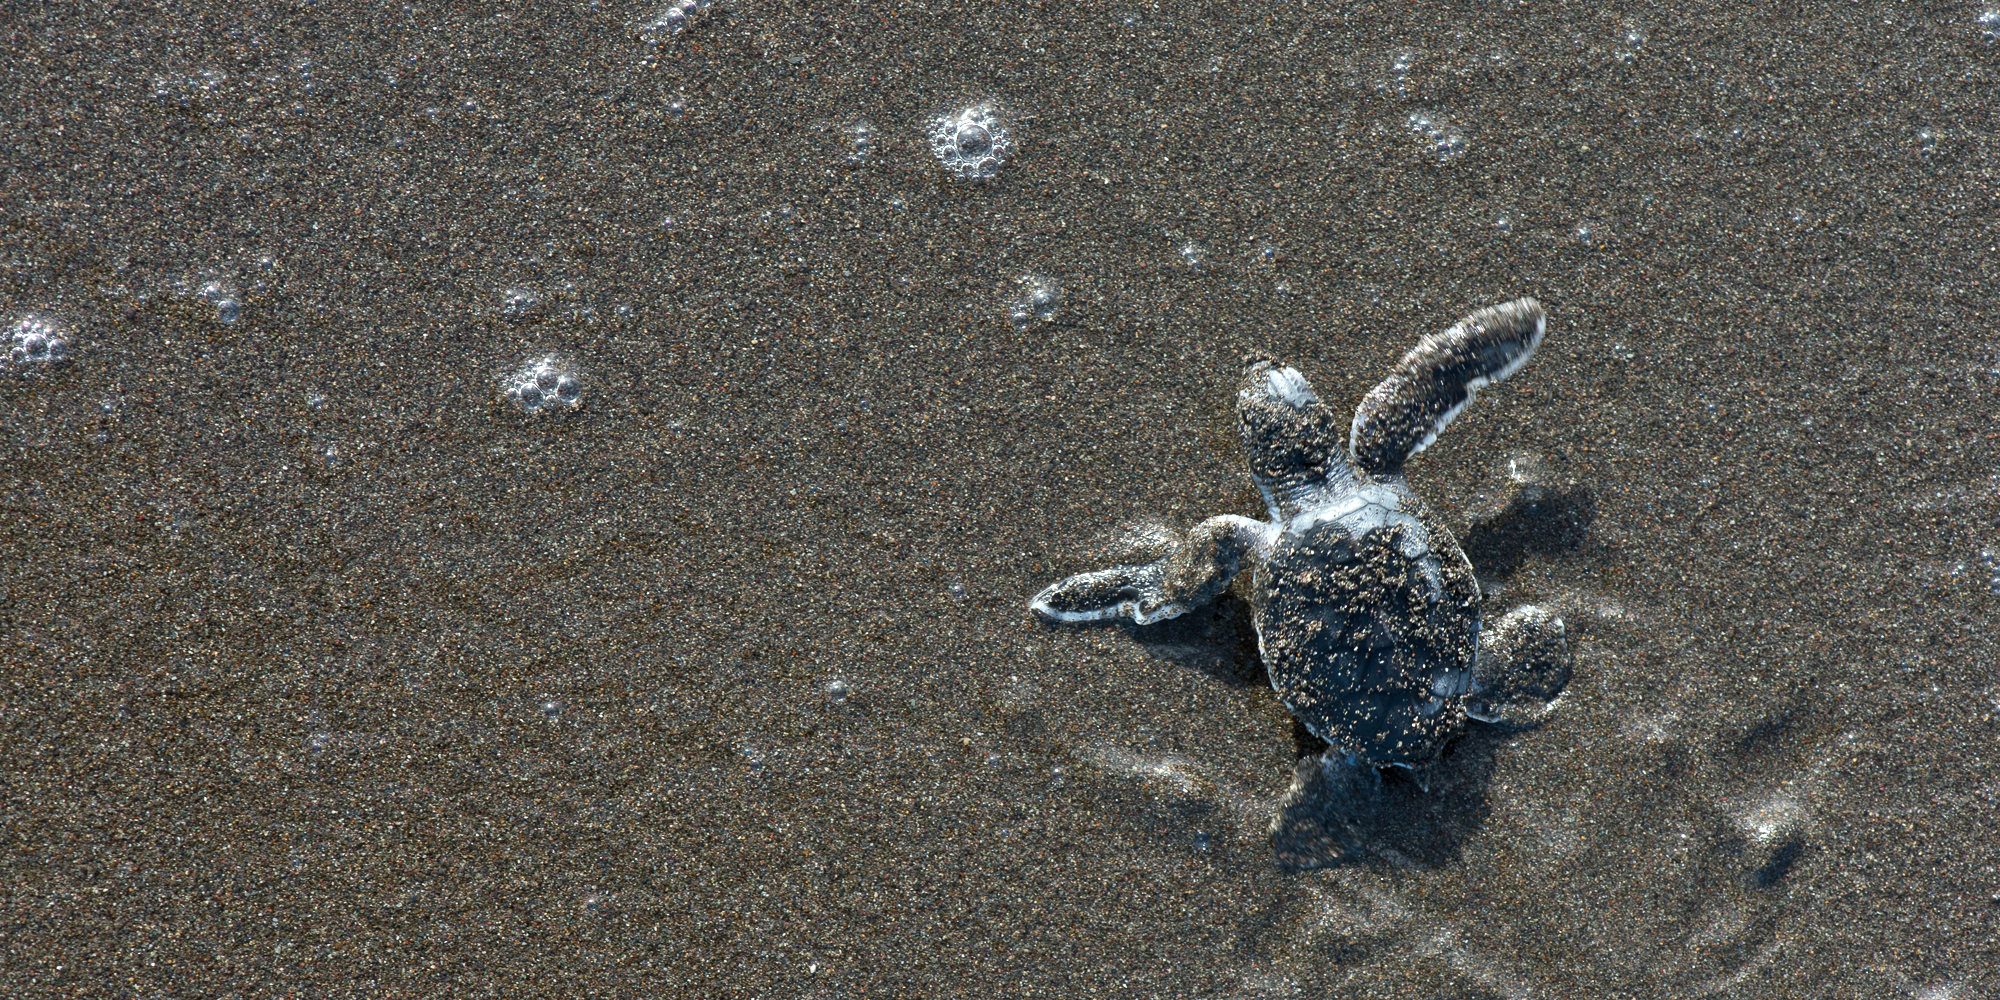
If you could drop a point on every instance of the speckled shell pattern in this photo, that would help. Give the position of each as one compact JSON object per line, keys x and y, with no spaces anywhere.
{"x":1370,"y":647}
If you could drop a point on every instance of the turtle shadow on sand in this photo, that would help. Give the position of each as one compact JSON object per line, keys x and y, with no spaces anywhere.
{"x":1337,"y":814}
{"x":1219,"y":640}
{"x":1545,"y":520}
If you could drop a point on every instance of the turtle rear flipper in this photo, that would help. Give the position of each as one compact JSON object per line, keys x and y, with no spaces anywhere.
{"x":1437,"y":379}
{"x":1523,"y":660}
{"x":1195,"y":570}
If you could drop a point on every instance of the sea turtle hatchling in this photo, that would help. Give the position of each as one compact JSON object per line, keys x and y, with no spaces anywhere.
{"x":1367,"y":611}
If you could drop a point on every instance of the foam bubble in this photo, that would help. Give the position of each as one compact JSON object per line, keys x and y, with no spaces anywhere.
{"x":671,"y":20}
{"x":1989,"y":24}
{"x":1037,"y":300}
{"x":223,"y":296}
{"x":836,"y":691}
{"x":1397,"y":81}
{"x":1169,"y":772}
{"x":34,"y":344}
{"x":187,"y":90}
{"x":545,"y":385}
{"x":1442,"y":140}
{"x":1633,"y":40}
{"x":860,"y":142}
{"x":1194,"y":256}
{"x":972,"y":142}
{"x":519,"y":301}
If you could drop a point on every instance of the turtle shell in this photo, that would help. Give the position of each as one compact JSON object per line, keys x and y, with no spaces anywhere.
{"x":1368,"y":619}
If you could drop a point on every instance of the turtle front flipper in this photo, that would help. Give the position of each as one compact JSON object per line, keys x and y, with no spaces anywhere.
{"x":1194,"y":571}
{"x":1437,"y":379}
{"x":1291,"y":439}
{"x":1523,"y":661}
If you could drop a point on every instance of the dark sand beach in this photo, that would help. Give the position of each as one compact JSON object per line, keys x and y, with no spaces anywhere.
{"x":331,"y":670}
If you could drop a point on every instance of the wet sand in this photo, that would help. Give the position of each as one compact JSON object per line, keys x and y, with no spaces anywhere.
{"x":329,"y":670}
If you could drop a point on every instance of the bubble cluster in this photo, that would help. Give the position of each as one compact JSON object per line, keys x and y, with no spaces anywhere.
{"x":34,"y":343}
{"x":971,"y":143}
{"x":519,"y":301}
{"x":672,"y":20}
{"x":1989,"y":560}
{"x":223,"y":296}
{"x":1628,"y":52}
{"x":861,"y":142}
{"x":1194,"y":256}
{"x":1441,"y":139}
{"x":1038,"y":300}
{"x":1400,"y":66}
{"x":187,"y":90}
{"x":545,"y":385}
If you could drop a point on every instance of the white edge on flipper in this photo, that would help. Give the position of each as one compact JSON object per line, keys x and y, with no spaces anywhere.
{"x":1125,"y":610}
{"x":1259,"y":534}
{"x":1472,"y":386}
{"x":1290,"y":388}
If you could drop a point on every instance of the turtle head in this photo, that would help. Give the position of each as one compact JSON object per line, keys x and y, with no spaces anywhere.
{"x":1289,"y":436}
